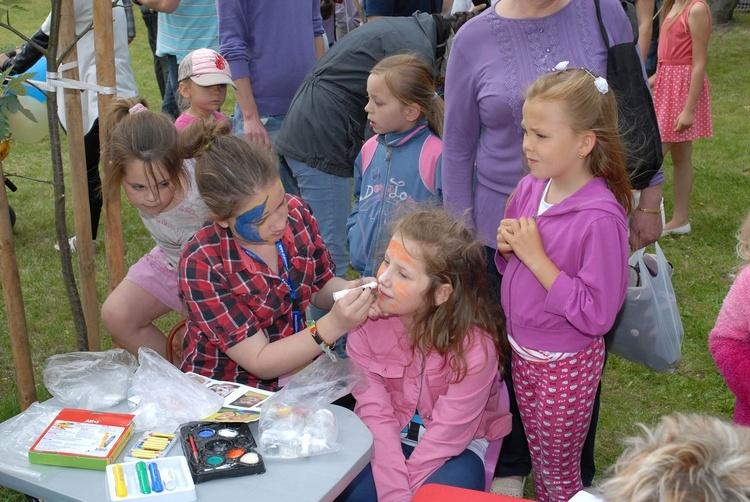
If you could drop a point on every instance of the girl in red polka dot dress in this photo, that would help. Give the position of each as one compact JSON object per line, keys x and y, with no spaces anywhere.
{"x":682,"y":96}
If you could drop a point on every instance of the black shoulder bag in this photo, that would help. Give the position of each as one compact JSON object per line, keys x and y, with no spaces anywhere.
{"x":635,"y":108}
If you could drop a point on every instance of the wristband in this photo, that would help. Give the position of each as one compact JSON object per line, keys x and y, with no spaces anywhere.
{"x":326,"y":348}
{"x":648,"y":211}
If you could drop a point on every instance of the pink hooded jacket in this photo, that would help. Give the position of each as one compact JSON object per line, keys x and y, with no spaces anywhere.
{"x":400,"y":381}
{"x":729,"y":343}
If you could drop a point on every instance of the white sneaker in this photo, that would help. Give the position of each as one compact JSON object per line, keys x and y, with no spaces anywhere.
{"x":509,"y":487}
{"x":71,"y":243}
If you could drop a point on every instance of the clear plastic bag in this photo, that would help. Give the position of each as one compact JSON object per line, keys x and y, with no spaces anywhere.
{"x":648,"y":329}
{"x":295,"y":422}
{"x":164,"y":397}
{"x":19,"y":433}
{"x":90,"y":380}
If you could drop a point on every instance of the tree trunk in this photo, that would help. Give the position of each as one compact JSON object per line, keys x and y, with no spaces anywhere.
{"x":721,"y":11}
{"x":58,"y":181}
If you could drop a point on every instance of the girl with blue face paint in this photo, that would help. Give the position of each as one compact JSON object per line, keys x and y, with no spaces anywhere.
{"x":248,"y":279}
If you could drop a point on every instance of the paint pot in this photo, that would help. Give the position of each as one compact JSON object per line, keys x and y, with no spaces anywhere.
{"x":228,"y":433}
{"x":215,"y":460}
{"x":250,"y":458}
{"x":218,"y":445}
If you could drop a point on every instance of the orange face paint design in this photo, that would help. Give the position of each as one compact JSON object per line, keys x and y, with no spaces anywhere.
{"x":402,"y":279}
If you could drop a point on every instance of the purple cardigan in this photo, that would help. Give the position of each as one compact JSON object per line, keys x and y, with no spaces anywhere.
{"x":586,"y":237}
{"x":492,"y":62}
{"x":272,"y":44}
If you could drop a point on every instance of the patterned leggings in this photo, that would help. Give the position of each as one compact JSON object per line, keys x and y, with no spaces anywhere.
{"x":555,"y":401}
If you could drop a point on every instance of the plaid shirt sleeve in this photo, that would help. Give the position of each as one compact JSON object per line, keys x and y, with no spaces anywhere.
{"x":216,"y":310}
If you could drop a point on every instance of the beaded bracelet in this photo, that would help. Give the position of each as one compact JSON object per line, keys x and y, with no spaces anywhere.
{"x":648,"y":211}
{"x":325,"y":347}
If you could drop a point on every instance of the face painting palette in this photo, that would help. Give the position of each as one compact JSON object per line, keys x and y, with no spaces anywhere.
{"x":215,"y":450}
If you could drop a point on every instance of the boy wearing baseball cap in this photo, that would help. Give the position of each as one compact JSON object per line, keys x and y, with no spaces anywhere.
{"x":204,"y":76}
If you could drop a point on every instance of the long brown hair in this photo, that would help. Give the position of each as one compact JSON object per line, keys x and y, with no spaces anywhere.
{"x":451,"y":255}
{"x":139,"y":135}
{"x":412,"y":81}
{"x":588,"y":109}
{"x":228,"y":169}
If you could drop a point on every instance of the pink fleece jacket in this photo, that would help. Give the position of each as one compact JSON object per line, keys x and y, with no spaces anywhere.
{"x":729,"y":343}
{"x":401,"y":381}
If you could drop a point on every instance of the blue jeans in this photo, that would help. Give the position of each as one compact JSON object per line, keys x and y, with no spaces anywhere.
{"x":464,"y":471}
{"x":272,"y":124}
{"x":330,"y":198}
{"x":169,"y":103}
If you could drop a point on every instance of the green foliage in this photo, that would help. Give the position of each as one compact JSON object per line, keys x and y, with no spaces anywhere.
{"x":9,"y":103}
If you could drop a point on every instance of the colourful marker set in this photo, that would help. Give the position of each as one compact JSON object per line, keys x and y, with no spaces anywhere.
{"x":216,"y":451}
{"x":162,"y":479}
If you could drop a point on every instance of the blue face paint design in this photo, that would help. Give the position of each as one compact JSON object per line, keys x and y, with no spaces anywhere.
{"x":246,"y":225}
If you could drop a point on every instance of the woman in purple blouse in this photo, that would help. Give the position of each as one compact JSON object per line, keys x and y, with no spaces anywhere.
{"x":494,"y":58}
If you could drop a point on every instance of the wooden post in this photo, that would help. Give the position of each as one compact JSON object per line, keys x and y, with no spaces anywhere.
{"x":19,"y":337}
{"x":106,"y":76}
{"x":79,"y":184}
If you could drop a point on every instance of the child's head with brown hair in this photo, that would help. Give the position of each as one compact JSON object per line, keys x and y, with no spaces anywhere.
{"x":434,"y":277}
{"x":589,"y":107}
{"x":140,"y":154}
{"x":229,"y":172}
{"x":409,"y":82}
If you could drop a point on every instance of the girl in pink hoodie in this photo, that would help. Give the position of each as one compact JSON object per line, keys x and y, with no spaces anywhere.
{"x":431,"y":360}
{"x":729,"y":341}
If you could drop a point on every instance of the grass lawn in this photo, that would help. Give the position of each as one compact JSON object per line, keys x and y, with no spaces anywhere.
{"x":702,"y":260}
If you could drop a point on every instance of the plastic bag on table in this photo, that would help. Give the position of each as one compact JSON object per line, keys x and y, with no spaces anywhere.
{"x":90,"y":380}
{"x":648,"y":329}
{"x":164,"y":397}
{"x":18,"y":434}
{"x":295,"y":422}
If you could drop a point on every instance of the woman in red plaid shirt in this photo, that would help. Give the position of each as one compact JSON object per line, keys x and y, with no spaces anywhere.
{"x":248,"y":278}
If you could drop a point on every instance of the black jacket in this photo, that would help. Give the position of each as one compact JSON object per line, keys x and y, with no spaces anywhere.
{"x":325,"y":125}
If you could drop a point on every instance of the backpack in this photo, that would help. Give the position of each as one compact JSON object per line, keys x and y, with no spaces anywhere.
{"x":629,"y":6}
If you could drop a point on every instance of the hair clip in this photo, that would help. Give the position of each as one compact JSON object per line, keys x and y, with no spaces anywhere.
{"x":562,"y":66}
{"x":137,"y":108}
{"x":434,"y":96}
{"x":601,"y":85}
{"x":208,"y":145}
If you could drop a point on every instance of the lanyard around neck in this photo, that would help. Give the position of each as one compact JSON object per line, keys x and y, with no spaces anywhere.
{"x":287,"y":278}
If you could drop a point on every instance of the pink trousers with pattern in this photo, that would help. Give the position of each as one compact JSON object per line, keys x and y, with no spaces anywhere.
{"x":555,"y":401}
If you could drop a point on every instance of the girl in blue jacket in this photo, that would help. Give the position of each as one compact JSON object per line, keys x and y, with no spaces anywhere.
{"x":400,"y":166}
{"x":563,"y":253}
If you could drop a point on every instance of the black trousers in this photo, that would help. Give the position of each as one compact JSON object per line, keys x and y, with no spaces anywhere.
{"x":150,"y":18}
{"x":91,"y":147}
{"x":515,"y":459}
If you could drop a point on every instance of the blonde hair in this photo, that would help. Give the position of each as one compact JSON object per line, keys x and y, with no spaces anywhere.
{"x":451,"y":255}
{"x":144,"y":136}
{"x":743,"y":243}
{"x":587,"y":109}
{"x":228,"y":169}
{"x":412,"y":81}
{"x":686,"y":458}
